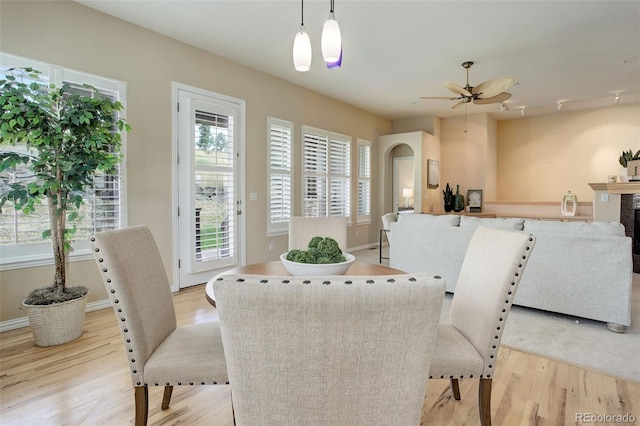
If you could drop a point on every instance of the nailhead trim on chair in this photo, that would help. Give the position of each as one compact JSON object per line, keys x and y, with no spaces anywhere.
{"x":327,"y":282}
{"x":508,"y":300}
{"x":129,"y":349}
{"x":501,"y":319}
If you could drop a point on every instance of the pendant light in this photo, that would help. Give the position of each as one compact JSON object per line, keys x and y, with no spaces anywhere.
{"x":336,"y":64}
{"x":302,"y":46}
{"x":331,"y":39}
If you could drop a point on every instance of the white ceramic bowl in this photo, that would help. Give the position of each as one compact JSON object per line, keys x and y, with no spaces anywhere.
{"x":309,"y":269}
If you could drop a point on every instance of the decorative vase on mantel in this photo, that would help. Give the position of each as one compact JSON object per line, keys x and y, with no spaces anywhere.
{"x":458,"y":200}
{"x":624,"y":176}
{"x":569,"y":204}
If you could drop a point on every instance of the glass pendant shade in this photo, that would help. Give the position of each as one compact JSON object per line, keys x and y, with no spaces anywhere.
{"x":302,"y":51}
{"x":335,"y":65}
{"x":331,"y":40}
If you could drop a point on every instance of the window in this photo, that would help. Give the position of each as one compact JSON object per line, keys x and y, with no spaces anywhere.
{"x":364,"y":181}
{"x":21,"y":235}
{"x":213,"y":179}
{"x":326,"y":173}
{"x":280,"y":159}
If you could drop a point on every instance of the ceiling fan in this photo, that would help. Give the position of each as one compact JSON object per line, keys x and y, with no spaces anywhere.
{"x":489,"y":92}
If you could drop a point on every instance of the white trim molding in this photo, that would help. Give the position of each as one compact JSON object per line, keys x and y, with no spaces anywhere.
{"x":14,"y":324}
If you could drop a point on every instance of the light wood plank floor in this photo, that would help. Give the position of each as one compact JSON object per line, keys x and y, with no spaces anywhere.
{"x":87,"y":382}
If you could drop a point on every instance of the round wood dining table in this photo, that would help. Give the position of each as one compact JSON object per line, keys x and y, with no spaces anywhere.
{"x":276,"y":268}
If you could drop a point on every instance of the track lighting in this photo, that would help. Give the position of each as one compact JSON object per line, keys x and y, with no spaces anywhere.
{"x":560,"y":104}
{"x":331,"y":41}
{"x":302,"y":46}
{"x":502,"y":107}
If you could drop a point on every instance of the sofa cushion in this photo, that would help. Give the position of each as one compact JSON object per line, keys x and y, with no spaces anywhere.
{"x":431,"y":219}
{"x":576,"y":228}
{"x":510,"y":224}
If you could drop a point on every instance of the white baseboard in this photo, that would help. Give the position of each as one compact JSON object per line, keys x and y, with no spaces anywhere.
{"x":14,"y":324}
{"x":363,"y":247}
{"x":21,"y":322}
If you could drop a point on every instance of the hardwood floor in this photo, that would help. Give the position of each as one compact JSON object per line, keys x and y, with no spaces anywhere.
{"x":87,"y":382}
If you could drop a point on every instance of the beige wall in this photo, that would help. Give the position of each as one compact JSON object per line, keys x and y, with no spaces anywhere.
{"x":71,"y":35}
{"x":469,"y":158}
{"x":541,"y":158}
{"x":537,"y":158}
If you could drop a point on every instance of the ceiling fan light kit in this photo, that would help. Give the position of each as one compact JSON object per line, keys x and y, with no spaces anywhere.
{"x":488,"y":92}
{"x":495,"y":91}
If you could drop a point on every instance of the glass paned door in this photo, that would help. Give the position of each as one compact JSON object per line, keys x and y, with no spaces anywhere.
{"x":208,"y":187}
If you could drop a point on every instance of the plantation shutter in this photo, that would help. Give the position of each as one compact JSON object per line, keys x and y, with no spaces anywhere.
{"x":340,"y":177}
{"x":214,"y":183}
{"x":20,"y":234}
{"x":364,"y":181}
{"x":326,"y":173}
{"x":280,"y":160}
{"x":103,"y":205}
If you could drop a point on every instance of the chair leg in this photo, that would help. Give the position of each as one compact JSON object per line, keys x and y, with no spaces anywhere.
{"x":141,"y":394}
{"x":233,"y":412}
{"x":484,"y":400}
{"x":455,"y":389}
{"x":166,"y":398}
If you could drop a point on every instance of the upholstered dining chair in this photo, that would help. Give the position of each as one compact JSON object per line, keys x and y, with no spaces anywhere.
{"x":335,"y":350}
{"x":159,"y":353}
{"x":467,"y":347}
{"x":386,"y":219}
{"x":302,"y":229}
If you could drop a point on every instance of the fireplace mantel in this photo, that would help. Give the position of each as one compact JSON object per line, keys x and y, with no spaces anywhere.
{"x":617,"y":188}
{"x":620,"y":201}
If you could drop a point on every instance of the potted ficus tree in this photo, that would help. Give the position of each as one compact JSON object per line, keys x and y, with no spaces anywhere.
{"x":57,"y":138}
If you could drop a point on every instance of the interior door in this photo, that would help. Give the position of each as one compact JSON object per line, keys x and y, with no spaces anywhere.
{"x":209,"y":186}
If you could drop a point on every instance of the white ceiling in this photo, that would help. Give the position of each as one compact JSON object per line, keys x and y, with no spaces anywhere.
{"x":580,"y":52}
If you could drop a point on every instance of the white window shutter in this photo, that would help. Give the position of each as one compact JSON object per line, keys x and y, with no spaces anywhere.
{"x":21,"y":235}
{"x":364,"y":181}
{"x":326,"y":173}
{"x":280,"y":170}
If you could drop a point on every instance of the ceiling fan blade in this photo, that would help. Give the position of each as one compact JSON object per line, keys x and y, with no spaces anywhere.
{"x":456,"y":89}
{"x":491,"y":88}
{"x":439,"y":97}
{"x":492,"y":100}
{"x":458,"y":104}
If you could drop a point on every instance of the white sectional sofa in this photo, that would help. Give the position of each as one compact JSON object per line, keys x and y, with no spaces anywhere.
{"x":583,"y":269}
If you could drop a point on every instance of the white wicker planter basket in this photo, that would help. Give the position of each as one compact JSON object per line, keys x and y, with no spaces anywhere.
{"x":58,"y":323}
